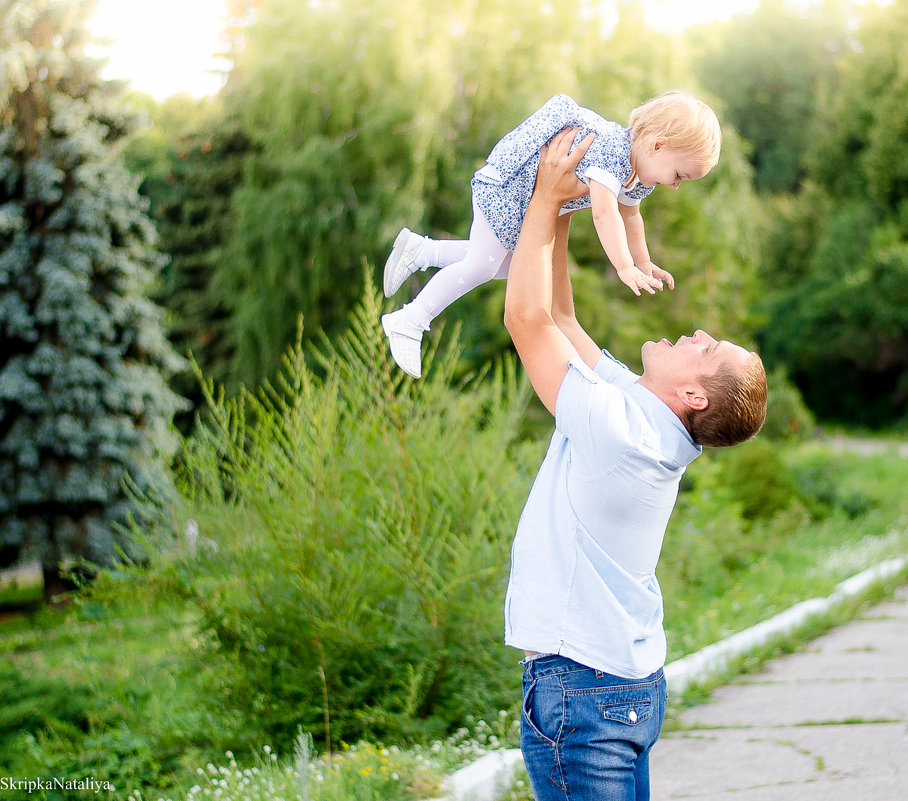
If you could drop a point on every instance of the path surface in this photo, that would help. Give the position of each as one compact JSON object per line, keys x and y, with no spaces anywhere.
{"x":26,"y":574}
{"x":827,"y":724}
{"x":866,"y":447}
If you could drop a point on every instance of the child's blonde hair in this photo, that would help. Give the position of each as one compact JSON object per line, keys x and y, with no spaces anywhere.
{"x":680,"y":121}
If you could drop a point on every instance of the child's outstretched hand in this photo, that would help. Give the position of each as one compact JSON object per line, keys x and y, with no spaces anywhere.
{"x":636,"y":279}
{"x":657,"y":272}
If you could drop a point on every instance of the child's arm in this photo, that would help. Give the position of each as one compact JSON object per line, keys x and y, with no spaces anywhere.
{"x":636,"y":242}
{"x":613,"y":236}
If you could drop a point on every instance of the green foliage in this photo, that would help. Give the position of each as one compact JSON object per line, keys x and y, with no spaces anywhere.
{"x":118,"y":692}
{"x":349,"y":532}
{"x":787,"y":416}
{"x":192,"y":159}
{"x":52,"y":728}
{"x":772,"y":86}
{"x":860,"y":144}
{"x":764,"y":523}
{"x":835,"y":336}
{"x":368,"y":115}
{"x":365,"y":116}
{"x":719,"y":526}
{"x":363,"y":772}
{"x":40,"y":703}
{"x":835,"y":313}
{"x":82,"y":399}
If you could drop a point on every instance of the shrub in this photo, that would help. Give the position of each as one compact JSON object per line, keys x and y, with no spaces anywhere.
{"x":756,"y":478}
{"x":344,"y":535}
{"x":787,"y":416}
{"x":723,"y":520}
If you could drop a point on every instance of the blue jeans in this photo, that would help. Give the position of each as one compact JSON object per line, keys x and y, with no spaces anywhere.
{"x":586,"y":735}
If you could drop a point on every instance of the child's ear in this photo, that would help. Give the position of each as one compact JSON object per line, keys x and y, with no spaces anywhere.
{"x":657,"y":146}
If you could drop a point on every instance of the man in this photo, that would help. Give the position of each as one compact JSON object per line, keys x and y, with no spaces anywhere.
{"x":583,"y":602}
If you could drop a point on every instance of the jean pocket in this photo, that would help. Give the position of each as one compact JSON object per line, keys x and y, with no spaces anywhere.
{"x":630,"y":713}
{"x":528,"y":717}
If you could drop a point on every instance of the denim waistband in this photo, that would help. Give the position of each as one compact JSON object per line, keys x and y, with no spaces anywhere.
{"x":548,"y":664}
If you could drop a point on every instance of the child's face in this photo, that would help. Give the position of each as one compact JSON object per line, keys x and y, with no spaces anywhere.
{"x":661,"y":165}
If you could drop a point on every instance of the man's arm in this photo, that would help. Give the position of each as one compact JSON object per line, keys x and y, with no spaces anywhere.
{"x":563,"y":297}
{"x":543,"y":347}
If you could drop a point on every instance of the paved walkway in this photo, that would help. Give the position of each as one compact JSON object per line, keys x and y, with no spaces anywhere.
{"x":827,"y":724}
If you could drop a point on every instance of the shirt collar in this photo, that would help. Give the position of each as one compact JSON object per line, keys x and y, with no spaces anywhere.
{"x":666,"y":420}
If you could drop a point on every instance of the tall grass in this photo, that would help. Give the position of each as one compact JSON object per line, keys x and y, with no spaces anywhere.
{"x":342,"y":536}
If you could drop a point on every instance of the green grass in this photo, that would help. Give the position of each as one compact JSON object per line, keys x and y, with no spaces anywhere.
{"x":22,"y":592}
{"x":138,"y":664}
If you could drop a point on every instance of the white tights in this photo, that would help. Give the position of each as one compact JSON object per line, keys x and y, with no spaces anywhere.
{"x":466,"y":263}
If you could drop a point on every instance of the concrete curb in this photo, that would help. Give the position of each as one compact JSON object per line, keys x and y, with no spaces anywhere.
{"x":484,"y":779}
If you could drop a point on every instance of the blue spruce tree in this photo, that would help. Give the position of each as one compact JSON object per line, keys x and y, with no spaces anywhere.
{"x":84,"y":404}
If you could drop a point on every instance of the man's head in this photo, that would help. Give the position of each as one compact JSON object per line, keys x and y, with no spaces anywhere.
{"x":718,"y":389}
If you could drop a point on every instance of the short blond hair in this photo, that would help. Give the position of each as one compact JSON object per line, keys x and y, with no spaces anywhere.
{"x":737,"y":405}
{"x":680,"y":121}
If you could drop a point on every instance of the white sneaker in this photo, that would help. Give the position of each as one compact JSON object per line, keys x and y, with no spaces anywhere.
{"x":401,"y":264}
{"x":405,"y":341}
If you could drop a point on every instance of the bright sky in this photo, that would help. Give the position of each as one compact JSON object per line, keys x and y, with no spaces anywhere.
{"x":164,"y":47}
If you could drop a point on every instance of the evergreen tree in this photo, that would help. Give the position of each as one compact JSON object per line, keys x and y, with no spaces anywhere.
{"x":83,"y":404}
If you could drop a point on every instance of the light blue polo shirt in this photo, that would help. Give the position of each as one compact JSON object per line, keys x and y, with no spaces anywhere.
{"x":583,"y":562}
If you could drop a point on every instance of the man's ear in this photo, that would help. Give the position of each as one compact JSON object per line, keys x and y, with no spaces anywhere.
{"x":693,"y":396}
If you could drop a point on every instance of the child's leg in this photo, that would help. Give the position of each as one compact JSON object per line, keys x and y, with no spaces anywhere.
{"x":412,"y":252}
{"x":445,"y":252}
{"x":485,"y":258}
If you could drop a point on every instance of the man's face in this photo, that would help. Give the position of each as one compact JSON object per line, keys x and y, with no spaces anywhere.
{"x":689,"y":357}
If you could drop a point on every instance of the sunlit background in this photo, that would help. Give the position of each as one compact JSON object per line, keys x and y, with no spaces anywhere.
{"x":165,"y":47}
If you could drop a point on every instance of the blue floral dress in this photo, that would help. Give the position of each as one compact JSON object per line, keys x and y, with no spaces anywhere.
{"x":502,"y":189}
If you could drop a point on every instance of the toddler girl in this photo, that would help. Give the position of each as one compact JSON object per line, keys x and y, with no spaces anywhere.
{"x":672,"y":138}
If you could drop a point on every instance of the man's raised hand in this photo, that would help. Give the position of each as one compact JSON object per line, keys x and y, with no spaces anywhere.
{"x":556,"y":178}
